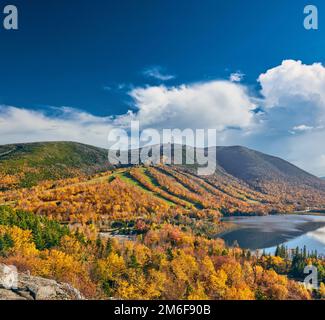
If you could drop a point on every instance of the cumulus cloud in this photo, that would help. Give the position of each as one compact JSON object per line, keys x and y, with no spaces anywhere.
{"x":23,"y":125}
{"x":293,"y":81}
{"x":294,"y":99}
{"x":220,"y":105}
{"x":216,"y":104}
{"x":157,"y":72}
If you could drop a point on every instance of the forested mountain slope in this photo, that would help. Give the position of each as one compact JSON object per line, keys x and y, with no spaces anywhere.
{"x":26,"y":164}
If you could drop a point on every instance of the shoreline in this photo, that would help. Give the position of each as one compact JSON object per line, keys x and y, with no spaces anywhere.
{"x":254,"y":235}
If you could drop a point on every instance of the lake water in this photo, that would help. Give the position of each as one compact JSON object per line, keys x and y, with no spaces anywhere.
{"x":267,"y":232}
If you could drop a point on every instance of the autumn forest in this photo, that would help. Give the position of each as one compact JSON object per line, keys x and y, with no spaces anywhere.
{"x":145,"y":232}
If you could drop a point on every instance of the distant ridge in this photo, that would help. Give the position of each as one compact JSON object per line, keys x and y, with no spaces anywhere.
{"x":257,"y":168}
{"x":239,"y":168}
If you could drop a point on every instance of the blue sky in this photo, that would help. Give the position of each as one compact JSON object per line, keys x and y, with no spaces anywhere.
{"x":66,"y":52}
{"x":80,"y":64}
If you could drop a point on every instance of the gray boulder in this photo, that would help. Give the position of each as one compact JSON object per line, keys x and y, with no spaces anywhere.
{"x":22,"y":286}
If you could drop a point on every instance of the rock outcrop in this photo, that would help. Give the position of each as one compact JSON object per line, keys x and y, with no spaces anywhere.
{"x":22,"y":286}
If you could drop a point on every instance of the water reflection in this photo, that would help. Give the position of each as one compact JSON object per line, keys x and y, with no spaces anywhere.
{"x":268,"y":232}
{"x":313,"y":240}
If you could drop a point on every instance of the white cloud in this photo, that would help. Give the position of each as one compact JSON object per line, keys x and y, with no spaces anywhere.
{"x":294,"y":98}
{"x":215,"y":104}
{"x":302,"y":128}
{"x":236,"y":76}
{"x":293,"y":81}
{"x":157,"y":73}
{"x":23,"y":125}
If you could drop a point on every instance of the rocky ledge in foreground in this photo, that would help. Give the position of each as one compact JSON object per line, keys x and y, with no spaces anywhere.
{"x":22,"y":286}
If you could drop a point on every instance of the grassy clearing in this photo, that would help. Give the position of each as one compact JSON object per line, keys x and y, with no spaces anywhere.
{"x":126,"y":177}
{"x":152,"y":180}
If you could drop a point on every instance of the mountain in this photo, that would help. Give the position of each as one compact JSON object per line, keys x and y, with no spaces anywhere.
{"x":268,"y":175}
{"x":252,"y":167}
{"x":25,"y":164}
{"x":256,"y":168}
{"x":274,"y":179}
{"x":243,"y":177}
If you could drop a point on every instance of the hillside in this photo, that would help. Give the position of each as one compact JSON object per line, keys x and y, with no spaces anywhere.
{"x":271,"y":178}
{"x":24,"y":165}
{"x":250,"y":166}
{"x":244,"y":180}
{"x":149,"y":232}
{"x":257,"y":168}
{"x":268,"y":175}
{"x":149,"y":253}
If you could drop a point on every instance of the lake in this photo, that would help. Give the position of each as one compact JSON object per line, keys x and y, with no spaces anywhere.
{"x":267,"y":232}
